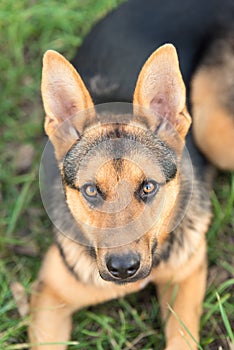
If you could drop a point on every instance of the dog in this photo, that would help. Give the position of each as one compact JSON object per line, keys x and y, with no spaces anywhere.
{"x":133,"y":198}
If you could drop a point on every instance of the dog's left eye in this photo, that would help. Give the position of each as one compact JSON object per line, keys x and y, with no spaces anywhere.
{"x":148,"y":189}
{"x":90,"y":190}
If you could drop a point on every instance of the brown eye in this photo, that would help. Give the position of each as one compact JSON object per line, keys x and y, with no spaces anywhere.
{"x":148,"y":187}
{"x":91,"y":191}
{"x":92,"y":194}
{"x":148,"y":190}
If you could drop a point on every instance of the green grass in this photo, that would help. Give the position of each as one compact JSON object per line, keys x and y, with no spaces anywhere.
{"x":28,"y":28}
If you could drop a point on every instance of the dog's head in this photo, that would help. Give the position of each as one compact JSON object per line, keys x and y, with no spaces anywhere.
{"x":121,"y":179}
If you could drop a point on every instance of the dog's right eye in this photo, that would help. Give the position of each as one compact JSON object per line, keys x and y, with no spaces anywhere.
{"x":92,"y":194}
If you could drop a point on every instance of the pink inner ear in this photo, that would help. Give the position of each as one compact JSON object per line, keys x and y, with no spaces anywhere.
{"x":63,"y":106}
{"x":160,"y":106}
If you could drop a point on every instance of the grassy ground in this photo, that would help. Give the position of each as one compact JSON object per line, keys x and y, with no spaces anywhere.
{"x":28,"y":28}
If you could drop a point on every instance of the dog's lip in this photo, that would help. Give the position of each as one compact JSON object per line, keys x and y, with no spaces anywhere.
{"x":143,"y":273}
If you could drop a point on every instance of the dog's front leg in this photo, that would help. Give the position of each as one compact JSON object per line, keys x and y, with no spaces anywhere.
{"x":181,"y":305}
{"x":56,"y":295}
{"x":50,"y":320}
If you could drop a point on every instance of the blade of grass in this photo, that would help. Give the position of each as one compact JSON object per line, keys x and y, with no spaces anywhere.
{"x":20,"y":203}
{"x":225,"y":319}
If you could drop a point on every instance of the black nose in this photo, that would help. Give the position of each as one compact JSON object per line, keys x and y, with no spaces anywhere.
{"x":123,"y":266}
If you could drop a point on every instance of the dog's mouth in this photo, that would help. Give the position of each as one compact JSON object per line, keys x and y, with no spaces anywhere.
{"x":139,"y":276}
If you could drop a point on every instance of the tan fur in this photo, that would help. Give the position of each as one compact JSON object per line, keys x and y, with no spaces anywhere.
{"x":59,"y":292}
{"x":213,"y":122}
{"x":187,"y":306}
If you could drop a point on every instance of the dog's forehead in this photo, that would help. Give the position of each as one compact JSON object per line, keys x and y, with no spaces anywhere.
{"x":118,"y":151}
{"x":109,"y":167}
{"x":115,"y":171}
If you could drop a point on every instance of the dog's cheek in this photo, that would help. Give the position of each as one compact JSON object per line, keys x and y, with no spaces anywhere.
{"x":79,"y":210}
{"x":168,"y":211}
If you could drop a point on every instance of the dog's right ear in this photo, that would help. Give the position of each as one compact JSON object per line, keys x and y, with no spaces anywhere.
{"x":64,"y":96}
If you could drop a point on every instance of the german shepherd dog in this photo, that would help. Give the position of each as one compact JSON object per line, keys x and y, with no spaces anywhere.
{"x":138,"y":212}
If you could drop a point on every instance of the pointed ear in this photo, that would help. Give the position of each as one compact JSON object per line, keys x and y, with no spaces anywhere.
{"x":64,"y":96}
{"x":161,"y":90}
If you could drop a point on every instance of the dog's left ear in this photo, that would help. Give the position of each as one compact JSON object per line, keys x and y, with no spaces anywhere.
{"x":161,"y":90}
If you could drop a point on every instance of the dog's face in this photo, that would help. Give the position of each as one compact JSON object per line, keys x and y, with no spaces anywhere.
{"x":121,"y":180}
{"x":121,"y":201}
